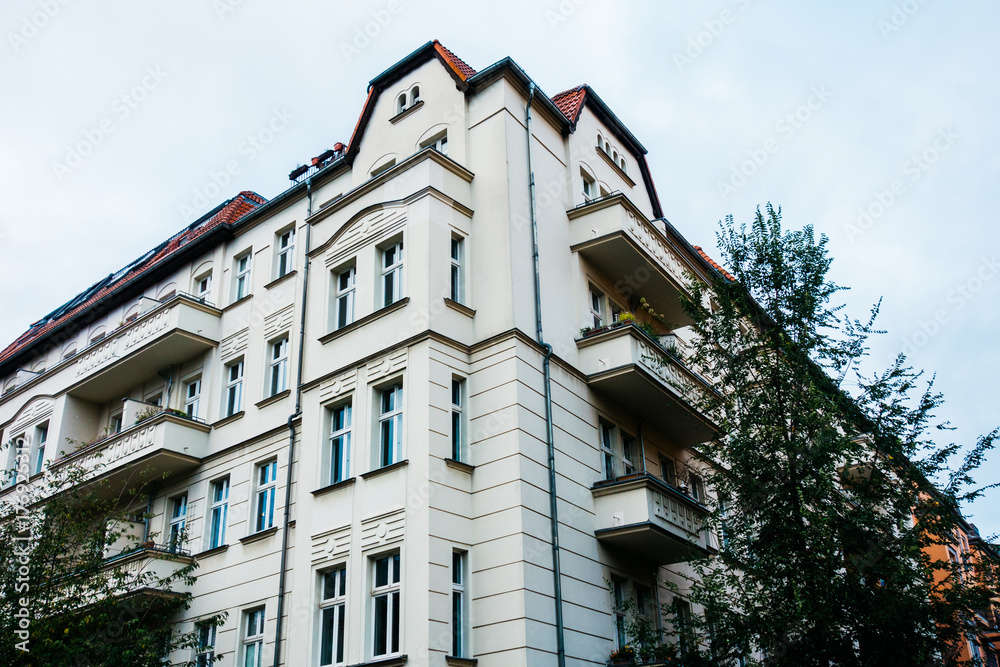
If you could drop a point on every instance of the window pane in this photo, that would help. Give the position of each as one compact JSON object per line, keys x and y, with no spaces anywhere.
{"x":381,"y":572}
{"x":381,"y":620}
{"x":328,"y":626}
{"x":395,"y":621}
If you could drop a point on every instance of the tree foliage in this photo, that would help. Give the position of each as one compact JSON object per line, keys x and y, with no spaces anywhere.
{"x":829,"y":483}
{"x":79,"y":585}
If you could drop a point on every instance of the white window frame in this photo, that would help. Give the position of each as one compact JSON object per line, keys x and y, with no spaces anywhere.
{"x":277,"y":373}
{"x":344,"y":296}
{"x":178,"y":519}
{"x":619,"y":593}
{"x":203,"y":287}
{"x":115,"y":423}
{"x":266,"y":482}
{"x":333,"y":603}
{"x":391,"y":591}
{"x":205,"y":650}
{"x":242,"y":272}
{"x":340,"y":438}
{"x":606,"y":433}
{"x":438,"y":142}
{"x":192,"y":401}
{"x":628,"y":444}
{"x":218,"y":512}
{"x":458,"y":429}
{"x":595,"y":303}
{"x":697,"y":485}
{"x":253,"y":622}
{"x":391,"y":275}
{"x":457,"y":269}
{"x":234,"y":388}
{"x":589,"y":185}
{"x":668,"y":470}
{"x":390,"y":424}
{"x":41,"y":437}
{"x":284,"y":243}
{"x":459,"y":604}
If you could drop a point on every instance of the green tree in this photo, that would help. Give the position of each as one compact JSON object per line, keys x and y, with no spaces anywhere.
{"x":828,"y":483}
{"x":78,"y":583}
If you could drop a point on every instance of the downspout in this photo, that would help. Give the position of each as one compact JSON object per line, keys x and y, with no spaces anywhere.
{"x":549,"y":430}
{"x":170,"y":383}
{"x":291,"y":435}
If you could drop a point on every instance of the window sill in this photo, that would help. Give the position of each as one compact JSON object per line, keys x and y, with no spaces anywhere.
{"x":406,"y":112}
{"x":394,"y":661}
{"x":333,"y":487}
{"x":460,"y":465}
{"x":282,"y":279}
{"x":385,"y":469}
{"x":264,"y":534}
{"x":212,"y":552}
{"x":237,"y":302}
{"x":367,"y":319}
{"x":273,"y":399}
{"x":455,"y":661}
{"x":228,"y":420}
{"x":455,"y":305}
{"x":607,"y":158}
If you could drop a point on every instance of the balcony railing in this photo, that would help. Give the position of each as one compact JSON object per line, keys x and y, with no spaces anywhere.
{"x":614,"y":236}
{"x":153,"y":562}
{"x":163,"y":443}
{"x":639,"y":372}
{"x":649,"y":519}
{"x":171,"y":332}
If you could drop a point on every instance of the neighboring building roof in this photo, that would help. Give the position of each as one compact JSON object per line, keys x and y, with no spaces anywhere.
{"x":227,"y":213}
{"x":715,"y":265}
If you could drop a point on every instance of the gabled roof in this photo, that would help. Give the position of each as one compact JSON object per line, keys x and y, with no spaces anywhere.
{"x":226,"y":214}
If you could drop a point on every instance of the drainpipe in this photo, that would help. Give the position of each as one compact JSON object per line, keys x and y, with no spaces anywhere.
{"x":549,"y":430}
{"x":170,"y":383}
{"x":291,"y":436}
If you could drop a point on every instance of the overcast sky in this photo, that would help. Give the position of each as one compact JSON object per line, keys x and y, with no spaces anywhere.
{"x":119,"y":121}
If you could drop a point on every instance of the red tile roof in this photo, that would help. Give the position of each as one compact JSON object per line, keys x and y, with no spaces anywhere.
{"x":570,"y":102}
{"x":461,"y":68}
{"x":715,"y":265}
{"x":234,"y":210}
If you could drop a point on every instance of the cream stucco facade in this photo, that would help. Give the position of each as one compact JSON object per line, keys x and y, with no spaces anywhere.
{"x":450,"y":341}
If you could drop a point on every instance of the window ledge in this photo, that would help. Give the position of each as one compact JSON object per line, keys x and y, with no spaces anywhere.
{"x":455,"y":305}
{"x":455,"y":661}
{"x":406,"y":112}
{"x":227,"y":420}
{"x":385,"y":469}
{"x":273,"y":399}
{"x":607,"y":158}
{"x":394,"y":661}
{"x":212,"y":552}
{"x":333,"y":487}
{"x":282,"y":279}
{"x":460,"y":465}
{"x":263,"y":534}
{"x":367,"y":319}
{"x":237,"y":302}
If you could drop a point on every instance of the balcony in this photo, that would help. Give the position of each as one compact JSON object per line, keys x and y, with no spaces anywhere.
{"x":636,"y":371}
{"x":169,"y":333}
{"x":649,"y":519}
{"x":615,"y":237}
{"x":141,"y":568}
{"x":165,"y":443}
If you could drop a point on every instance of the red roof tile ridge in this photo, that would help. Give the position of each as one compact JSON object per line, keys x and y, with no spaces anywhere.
{"x":461,"y":68}
{"x":570,"y":102}
{"x":715,"y":265}
{"x":236,"y":209}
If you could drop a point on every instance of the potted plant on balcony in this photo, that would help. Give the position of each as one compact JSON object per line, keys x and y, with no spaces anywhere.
{"x":623,"y":656}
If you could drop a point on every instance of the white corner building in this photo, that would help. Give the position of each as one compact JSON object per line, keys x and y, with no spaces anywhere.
{"x":356,"y":387}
